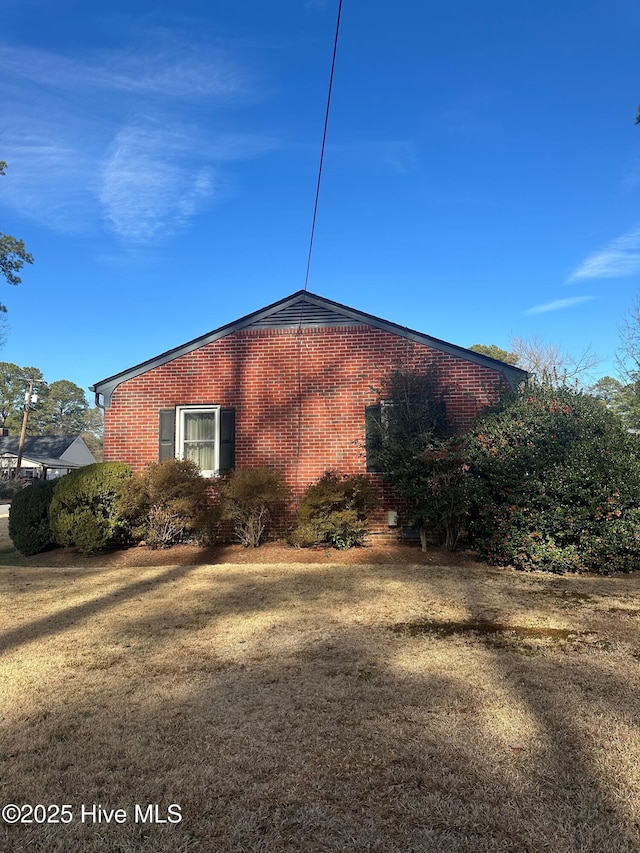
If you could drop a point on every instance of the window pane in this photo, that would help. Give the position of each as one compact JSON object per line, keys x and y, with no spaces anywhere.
{"x":200,"y":439}
{"x":199,"y":426}
{"x":202,"y":454}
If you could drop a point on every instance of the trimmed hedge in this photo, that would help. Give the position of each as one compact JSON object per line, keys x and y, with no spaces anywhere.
{"x":84,"y":510}
{"x":29,"y":526}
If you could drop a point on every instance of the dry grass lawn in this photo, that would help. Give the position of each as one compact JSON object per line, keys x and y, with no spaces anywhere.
{"x":389,"y":707}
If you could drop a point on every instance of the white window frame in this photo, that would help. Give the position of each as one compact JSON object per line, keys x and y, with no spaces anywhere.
{"x":385,"y":407}
{"x":180,"y":413}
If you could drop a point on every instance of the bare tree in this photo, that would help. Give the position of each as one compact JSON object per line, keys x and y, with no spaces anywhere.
{"x":549,"y":364}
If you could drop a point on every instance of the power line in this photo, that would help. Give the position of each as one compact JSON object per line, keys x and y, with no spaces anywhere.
{"x":306,"y":278}
{"x":324,"y":139}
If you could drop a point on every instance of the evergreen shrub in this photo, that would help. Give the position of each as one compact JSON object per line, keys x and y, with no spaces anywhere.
{"x":251,"y":498}
{"x":166,"y":503}
{"x":29,"y":526}
{"x":554,"y":483}
{"x":85,"y":507}
{"x":334,"y":511}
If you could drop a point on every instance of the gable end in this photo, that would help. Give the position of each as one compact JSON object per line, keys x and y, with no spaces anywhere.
{"x":305,"y":310}
{"x":304,"y":314}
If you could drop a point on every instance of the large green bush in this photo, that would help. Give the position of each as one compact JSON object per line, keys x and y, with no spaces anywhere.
{"x":166,"y":503}
{"x":412,"y":446}
{"x":84,"y":510}
{"x":555,"y":484}
{"x":334,"y":511}
{"x":29,"y":526}
{"x":250,"y":498}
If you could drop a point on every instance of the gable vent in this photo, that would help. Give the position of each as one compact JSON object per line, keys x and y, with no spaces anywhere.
{"x":304,"y":314}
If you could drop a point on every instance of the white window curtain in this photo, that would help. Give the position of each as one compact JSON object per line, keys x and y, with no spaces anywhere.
{"x":199,"y":439}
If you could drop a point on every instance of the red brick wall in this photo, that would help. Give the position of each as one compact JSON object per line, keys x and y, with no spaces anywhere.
{"x":299,"y":395}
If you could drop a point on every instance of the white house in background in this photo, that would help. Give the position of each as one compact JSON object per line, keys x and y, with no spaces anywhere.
{"x":44,"y":457}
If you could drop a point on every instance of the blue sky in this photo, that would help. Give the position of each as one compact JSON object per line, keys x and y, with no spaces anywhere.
{"x":481,"y":178}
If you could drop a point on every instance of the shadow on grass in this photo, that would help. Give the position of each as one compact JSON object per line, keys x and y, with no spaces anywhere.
{"x":233,"y":594}
{"x":340,"y":736}
{"x":70,"y":617}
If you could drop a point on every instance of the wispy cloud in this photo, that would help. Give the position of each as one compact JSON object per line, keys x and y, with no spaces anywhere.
{"x":158,"y":175}
{"x":173,"y":70}
{"x":619,"y":259}
{"x":147,"y":182}
{"x":52,"y":168}
{"x":78,"y":159}
{"x":559,"y":304}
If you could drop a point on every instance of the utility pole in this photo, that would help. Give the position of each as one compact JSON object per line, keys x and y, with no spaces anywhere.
{"x":28,"y":398}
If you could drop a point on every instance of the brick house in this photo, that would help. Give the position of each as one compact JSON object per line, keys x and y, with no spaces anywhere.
{"x":287,"y":386}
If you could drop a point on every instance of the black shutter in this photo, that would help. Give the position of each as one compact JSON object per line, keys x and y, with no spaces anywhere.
{"x":373,"y":436}
{"x":167,"y":434}
{"x":227,"y":440}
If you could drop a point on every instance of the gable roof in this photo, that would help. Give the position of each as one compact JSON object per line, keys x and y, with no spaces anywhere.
{"x":45,"y":450}
{"x":306,"y":310}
